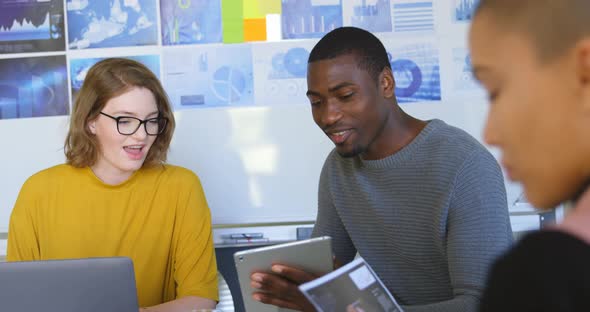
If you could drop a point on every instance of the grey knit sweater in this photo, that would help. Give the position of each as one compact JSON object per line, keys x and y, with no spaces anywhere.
{"x":429,"y":219}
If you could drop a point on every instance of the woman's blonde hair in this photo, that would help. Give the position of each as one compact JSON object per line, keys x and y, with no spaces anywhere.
{"x":108,"y":79}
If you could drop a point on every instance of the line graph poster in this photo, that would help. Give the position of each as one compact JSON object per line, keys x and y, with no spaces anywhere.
{"x":31,"y":26}
{"x":209,"y":76}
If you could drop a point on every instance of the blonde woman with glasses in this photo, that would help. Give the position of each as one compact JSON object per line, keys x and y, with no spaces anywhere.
{"x":115,"y":196}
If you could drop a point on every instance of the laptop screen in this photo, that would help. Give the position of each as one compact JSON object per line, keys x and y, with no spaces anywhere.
{"x":92,"y":285}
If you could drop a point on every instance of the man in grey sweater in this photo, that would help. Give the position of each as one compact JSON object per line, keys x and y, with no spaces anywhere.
{"x":422,"y":202}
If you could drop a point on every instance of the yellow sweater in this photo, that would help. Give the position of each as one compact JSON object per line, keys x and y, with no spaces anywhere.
{"x":159,"y":218}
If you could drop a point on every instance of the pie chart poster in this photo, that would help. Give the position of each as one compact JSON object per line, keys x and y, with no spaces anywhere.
{"x":209,"y":76}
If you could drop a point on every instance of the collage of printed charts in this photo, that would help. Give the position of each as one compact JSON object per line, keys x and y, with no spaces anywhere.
{"x":221,"y":53}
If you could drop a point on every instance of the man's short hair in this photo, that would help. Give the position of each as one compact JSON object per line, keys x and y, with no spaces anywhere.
{"x":553,"y":26}
{"x":368,"y":49}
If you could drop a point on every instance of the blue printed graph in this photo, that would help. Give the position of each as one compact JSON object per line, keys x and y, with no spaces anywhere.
{"x":228,"y":84}
{"x":463,"y":79}
{"x":280,"y":71}
{"x":211,"y":76}
{"x":79,"y":68}
{"x":464,"y":9}
{"x":33,"y":87}
{"x":26,"y":29}
{"x":111,"y":23}
{"x":190,"y":21}
{"x":310,"y":18}
{"x":31,"y":26}
{"x":413,"y":16}
{"x":372,"y":15}
{"x":416,"y":71}
{"x":289,"y":64}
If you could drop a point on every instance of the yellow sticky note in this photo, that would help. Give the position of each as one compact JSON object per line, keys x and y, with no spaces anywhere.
{"x":270,"y":6}
{"x":255,"y":29}
{"x":260,"y":8}
{"x":252,"y":9}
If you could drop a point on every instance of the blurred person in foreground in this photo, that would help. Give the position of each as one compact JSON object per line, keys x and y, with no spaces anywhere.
{"x":533,"y":58}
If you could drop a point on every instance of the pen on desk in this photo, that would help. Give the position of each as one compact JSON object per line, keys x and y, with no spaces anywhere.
{"x":249,"y":240}
{"x":242,"y":238}
{"x":246,"y":235}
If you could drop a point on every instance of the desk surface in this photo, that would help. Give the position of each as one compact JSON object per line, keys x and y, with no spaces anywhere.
{"x":252,"y":245}
{"x":3,"y":246}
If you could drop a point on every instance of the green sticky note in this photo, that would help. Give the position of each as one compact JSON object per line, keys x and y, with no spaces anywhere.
{"x":232,"y":12}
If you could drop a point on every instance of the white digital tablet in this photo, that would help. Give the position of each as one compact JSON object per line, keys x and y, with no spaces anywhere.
{"x":311,"y":255}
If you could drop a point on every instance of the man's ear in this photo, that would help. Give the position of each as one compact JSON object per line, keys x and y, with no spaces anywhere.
{"x":387,"y":83}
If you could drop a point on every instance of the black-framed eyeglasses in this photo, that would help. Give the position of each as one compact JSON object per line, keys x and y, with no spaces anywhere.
{"x":127,"y":125}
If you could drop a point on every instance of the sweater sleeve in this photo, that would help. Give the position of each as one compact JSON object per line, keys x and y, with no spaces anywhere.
{"x":328,"y":222}
{"x":478,"y":231}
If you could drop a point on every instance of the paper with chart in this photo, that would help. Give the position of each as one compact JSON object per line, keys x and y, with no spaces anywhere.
{"x":463,"y":79}
{"x":412,"y":16}
{"x":371,"y":15}
{"x":310,"y":18}
{"x":416,"y":69}
{"x":463,"y":10}
{"x":79,"y":68}
{"x":33,"y":87}
{"x":115,"y":23}
{"x":31,"y":26}
{"x":353,"y":287}
{"x":213,"y":75}
{"x":280,"y":71}
{"x":398,"y":16}
{"x":195,"y":21}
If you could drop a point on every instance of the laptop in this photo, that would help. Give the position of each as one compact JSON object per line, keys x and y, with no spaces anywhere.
{"x":76,"y":285}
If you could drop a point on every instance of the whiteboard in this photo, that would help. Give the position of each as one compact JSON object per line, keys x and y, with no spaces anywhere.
{"x":28,"y":145}
{"x":256,"y":164}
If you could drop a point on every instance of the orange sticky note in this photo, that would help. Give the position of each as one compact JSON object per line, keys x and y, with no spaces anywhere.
{"x":255,"y":29}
